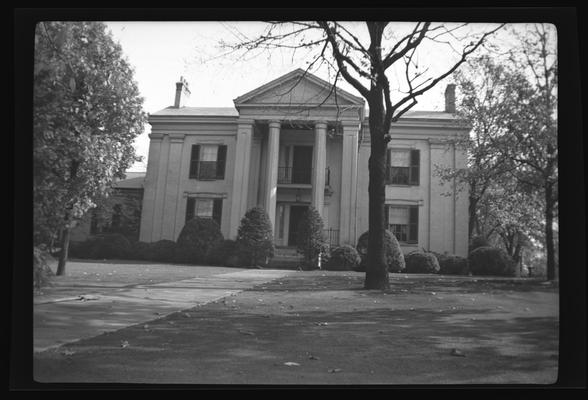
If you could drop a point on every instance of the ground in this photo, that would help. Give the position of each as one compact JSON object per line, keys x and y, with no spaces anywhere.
{"x":320,"y":327}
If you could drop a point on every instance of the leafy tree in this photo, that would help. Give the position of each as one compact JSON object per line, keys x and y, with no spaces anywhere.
{"x":310,"y":237}
{"x":87,"y":113}
{"x":255,"y":237}
{"x":380,"y":60}
{"x":532,"y":147}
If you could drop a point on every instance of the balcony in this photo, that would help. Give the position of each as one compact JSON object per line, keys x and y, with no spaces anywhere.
{"x":303,"y":176}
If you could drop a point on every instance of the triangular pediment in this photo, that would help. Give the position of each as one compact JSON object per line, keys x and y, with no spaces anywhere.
{"x":298,"y":88}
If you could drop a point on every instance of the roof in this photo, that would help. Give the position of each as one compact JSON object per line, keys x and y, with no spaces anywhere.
{"x":424,"y":115}
{"x":131,"y":182}
{"x":198,"y":111}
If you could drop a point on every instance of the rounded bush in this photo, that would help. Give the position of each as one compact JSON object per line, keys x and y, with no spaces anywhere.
{"x":225,"y":253}
{"x":161,"y":251}
{"x":104,"y":246}
{"x":310,"y":239}
{"x":488,"y":260}
{"x":255,"y":238}
{"x":394,"y":256}
{"x":421,"y":263}
{"x":343,"y":258}
{"x":140,"y":251}
{"x":196,"y":239}
{"x":478,"y":241}
{"x":453,"y":265}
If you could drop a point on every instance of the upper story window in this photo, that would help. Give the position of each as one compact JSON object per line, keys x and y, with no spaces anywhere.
{"x":207,"y":162}
{"x":402,"y":167}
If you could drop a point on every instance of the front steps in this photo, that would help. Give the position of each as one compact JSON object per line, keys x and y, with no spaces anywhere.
{"x":285,"y":258}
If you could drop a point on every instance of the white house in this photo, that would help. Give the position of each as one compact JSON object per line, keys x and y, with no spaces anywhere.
{"x":297,"y":141}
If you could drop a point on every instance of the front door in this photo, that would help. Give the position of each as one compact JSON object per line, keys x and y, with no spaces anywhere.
{"x":296,"y":214}
{"x":302,"y":164}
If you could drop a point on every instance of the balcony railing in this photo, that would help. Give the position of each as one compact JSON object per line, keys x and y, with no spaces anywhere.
{"x":289,"y":175}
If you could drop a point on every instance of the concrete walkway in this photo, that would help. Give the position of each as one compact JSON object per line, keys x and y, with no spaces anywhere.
{"x":69,"y":311}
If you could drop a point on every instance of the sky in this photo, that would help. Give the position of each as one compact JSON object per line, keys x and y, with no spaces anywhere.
{"x":162,"y":52}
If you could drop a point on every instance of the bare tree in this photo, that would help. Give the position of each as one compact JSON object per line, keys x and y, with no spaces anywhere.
{"x":368,"y":56}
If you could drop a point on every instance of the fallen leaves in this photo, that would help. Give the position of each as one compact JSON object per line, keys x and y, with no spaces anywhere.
{"x":457,"y":353}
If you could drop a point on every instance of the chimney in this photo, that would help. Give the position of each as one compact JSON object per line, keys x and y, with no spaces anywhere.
{"x":450,"y":98}
{"x":182,"y":93}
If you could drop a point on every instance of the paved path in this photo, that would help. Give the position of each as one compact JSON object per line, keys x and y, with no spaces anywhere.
{"x":69,"y":312}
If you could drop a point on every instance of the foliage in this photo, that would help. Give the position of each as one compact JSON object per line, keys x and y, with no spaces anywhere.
{"x":491,"y":261}
{"x":226,"y":253}
{"x":161,"y":251}
{"x":120,"y":212}
{"x":255,"y":237}
{"x":394,"y":256}
{"x":141,"y":251}
{"x":310,"y":238}
{"x":421,"y":263}
{"x":343,"y":258}
{"x":451,"y":264}
{"x":478,"y":241}
{"x":196,"y":239}
{"x":103,"y":246}
{"x":86,"y":114}
{"x":41,"y":270}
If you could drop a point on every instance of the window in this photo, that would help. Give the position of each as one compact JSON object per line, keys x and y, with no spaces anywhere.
{"x":204,"y":208}
{"x":402,"y":167}
{"x":403,"y":222}
{"x":207,"y":162}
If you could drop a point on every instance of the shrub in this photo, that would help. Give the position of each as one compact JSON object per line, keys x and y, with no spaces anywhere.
{"x":394,"y":256}
{"x":161,"y":251}
{"x":310,"y":238}
{"x":140,"y":251}
{"x":421,"y":263}
{"x":196,"y":239}
{"x":451,"y":264}
{"x":41,"y":269}
{"x":104,"y":246}
{"x":255,"y":238}
{"x":225,"y":253}
{"x":343,"y":258}
{"x":478,"y":241}
{"x":488,"y":260}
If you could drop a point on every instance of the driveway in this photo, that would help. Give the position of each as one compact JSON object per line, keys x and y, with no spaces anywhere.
{"x":98,"y":297}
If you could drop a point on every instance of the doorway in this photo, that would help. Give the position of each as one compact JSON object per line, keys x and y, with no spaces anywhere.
{"x":302,"y":164}
{"x":296,"y":214}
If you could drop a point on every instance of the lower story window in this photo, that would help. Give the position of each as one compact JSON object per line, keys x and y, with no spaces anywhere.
{"x":403,"y":223}
{"x":204,"y":208}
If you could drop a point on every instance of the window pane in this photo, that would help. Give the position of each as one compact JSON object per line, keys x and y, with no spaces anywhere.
{"x":208,"y":152}
{"x":398,"y":215}
{"x":204,"y":208}
{"x":399,"y":158}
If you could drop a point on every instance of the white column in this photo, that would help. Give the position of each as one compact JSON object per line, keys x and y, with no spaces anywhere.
{"x":157,"y":231}
{"x":150,"y":188}
{"x":240,"y":191}
{"x":348,"y":183}
{"x":176,"y":142}
{"x":271,"y":189}
{"x":319,"y":166}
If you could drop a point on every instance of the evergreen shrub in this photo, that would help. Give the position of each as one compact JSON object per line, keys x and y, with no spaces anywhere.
{"x":394,"y":256}
{"x":421,"y":263}
{"x":310,"y":239}
{"x":255,"y":239}
{"x":488,"y":260}
{"x":196,"y":239}
{"x":343,"y":258}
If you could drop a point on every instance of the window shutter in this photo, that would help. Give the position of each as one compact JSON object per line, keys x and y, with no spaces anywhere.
{"x":194,"y":159}
{"x":217,"y":210}
{"x":386,"y":216}
{"x":221,"y":159}
{"x":413,"y":224}
{"x":415,"y":160}
{"x":190,"y":205}
{"x":388,"y":157}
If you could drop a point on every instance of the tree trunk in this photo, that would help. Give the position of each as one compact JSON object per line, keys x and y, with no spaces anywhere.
{"x":549,"y":245}
{"x":376,"y":276}
{"x":64,"y":252}
{"x":472,"y":223}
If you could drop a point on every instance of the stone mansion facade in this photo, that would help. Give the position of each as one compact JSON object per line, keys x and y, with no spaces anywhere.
{"x":296,"y":142}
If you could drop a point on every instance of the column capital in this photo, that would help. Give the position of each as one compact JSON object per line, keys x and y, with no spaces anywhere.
{"x":177,"y":137}
{"x":275,"y":124}
{"x":320,"y":125}
{"x":245,"y":121}
{"x":156,"y":136}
